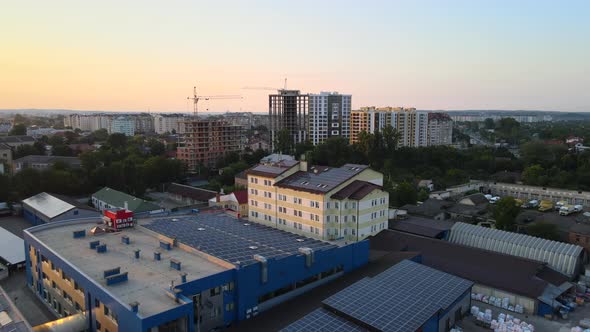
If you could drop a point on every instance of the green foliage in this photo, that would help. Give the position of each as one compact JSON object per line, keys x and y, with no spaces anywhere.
{"x":423,"y":194}
{"x":505,"y":212}
{"x":157,"y":148}
{"x":488,"y":123}
{"x":27,"y":150}
{"x":404,"y":193}
{"x":283,"y":141}
{"x":18,"y":130}
{"x":544,"y":230}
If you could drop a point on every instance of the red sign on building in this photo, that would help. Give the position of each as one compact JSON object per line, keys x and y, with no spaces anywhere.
{"x":119,"y":219}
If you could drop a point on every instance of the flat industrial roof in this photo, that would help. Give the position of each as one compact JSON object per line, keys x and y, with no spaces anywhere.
{"x":148,"y":279}
{"x":233,"y":240}
{"x":48,"y":205}
{"x":402,"y":298}
{"x":12,"y":247}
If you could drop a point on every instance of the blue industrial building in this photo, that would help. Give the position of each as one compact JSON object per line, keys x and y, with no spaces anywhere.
{"x":185,"y":273}
{"x":408,"y":296}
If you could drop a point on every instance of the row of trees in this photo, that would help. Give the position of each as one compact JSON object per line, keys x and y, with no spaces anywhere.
{"x":131,"y":165}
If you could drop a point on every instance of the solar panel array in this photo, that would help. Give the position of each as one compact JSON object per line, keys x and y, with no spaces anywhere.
{"x":323,"y":181}
{"x":232,"y":240}
{"x":322,"y":320}
{"x":402,"y":298}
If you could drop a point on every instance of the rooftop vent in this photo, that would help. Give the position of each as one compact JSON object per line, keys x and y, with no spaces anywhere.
{"x":94,"y":244}
{"x":165,"y":245}
{"x":157,"y":255}
{"x":102,"y":248}
{"x":183,"y":277}
{"x":134,"y":306}
{"x":300,"y":240}
{"x":117,"y":278}
{"x":253,"y":247}
{"x":111,"y":272}
{"x":79,"y":234}
{"x":175,"y":264}
{"x":125,"y":239}
{"x":246,"y":224}
{"x":136,"y":252}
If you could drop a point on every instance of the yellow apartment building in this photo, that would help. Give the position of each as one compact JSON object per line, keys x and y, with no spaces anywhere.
{"x":345,"y":203}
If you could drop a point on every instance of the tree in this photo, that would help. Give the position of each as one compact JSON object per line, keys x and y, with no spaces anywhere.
{"x":117,"y":141}
{"x":532,"y":175}
{"x":544,"y":231}
{"x":18,"y":130}
{"x":156,"y":147}
{"x":505,"y":212}
{"x":62,"y":150}
{"x":100,"y":135}
{"x":423,"y":194}
{"x":283,"y":141}
{"x":404,"y":193}
{"x":489,"y":123}
{"x":391,"y":139}
{"x":28,"y":150}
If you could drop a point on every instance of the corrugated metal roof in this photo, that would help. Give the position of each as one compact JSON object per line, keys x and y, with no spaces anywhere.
{"x":12,"y":247}
{"x":48,"y":205}
{"x":560,"y":256}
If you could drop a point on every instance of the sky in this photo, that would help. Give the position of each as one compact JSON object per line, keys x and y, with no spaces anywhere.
{"x":440,"y":55}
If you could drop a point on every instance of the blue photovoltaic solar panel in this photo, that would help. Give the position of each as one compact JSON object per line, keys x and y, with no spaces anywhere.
{"x":402,"y":298}
{"x":232,"y":240}
{"x":322,"y":320}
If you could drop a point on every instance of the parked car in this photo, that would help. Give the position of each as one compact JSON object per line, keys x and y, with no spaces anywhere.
{"x":566,"y":210}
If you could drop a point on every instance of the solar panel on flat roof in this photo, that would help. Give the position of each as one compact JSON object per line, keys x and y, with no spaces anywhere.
{"x":322,"y":320}
{"x":230,"y":239}
{"x":402,"y":298}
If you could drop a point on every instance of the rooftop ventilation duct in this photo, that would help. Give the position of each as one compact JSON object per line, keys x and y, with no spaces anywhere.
{"x":309,"y":255}
{"x":263,"y":267}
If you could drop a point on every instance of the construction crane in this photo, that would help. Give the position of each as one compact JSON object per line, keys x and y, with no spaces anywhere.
{"x":265,"y":87}
{"x":195,"y":98}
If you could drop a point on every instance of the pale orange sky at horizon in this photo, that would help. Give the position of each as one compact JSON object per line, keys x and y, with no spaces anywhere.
{"x":141,"y":55}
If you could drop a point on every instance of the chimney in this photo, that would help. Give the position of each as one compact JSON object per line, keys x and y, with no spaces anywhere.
{"x":134,"y":306}
{"x":126,"y":205}
{"x":303,"y":165}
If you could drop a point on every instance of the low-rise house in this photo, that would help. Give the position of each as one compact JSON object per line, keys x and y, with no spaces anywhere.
{"x":430,"y":208}
{"x":16,"y":141}
{"x":440,"y":194}
{"x":427,"y":184}
{"x":107,"y":198}
{"x":41,"y":162}
{"x":189,"y":195}
{"x":236,"y":202}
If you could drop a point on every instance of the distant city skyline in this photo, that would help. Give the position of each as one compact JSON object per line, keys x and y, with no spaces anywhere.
{"x":432,"y":55}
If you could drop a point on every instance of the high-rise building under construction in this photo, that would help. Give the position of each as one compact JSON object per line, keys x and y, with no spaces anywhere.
{"x":204,"y":142}
{"x":288,"y":110}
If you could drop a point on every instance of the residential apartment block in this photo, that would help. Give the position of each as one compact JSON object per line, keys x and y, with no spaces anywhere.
{"x":329,"y":115}
{"x":203,"y":142}
{"x":440,"y":129}
{"x":88,"y":122}
{"x":346,"y":203}
{"x":167,"y":123}
{"x":123,"y":125}
{"x":288,"y":110}
{"x":415,"y":127}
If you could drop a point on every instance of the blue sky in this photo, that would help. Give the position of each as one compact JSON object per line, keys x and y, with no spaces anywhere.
{"x":135,"y":55}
